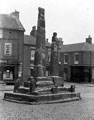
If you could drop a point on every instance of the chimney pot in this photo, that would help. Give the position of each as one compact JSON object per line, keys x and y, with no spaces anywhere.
{"x":33,"y":31}
{"x":16,"y":14}
{"x":89,"y":40}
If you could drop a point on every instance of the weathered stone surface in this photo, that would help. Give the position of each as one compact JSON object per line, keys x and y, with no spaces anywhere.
{"x":37,"y":99}
{"x":54,"y":67}
{"x":39,"y":62}
{"x":58,"y":81}
{"x":54,"y":64}
{"x":44,"y":79}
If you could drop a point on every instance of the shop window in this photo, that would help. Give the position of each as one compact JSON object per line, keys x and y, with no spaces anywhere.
{"x":65,"y":58}
{"x":8,"y":49}
{"x":76,"y":58}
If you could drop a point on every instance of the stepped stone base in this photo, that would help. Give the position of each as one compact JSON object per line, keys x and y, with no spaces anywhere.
{"x":42,"y":95}
{"x":47,"y":90}
{"x":41,"y":99}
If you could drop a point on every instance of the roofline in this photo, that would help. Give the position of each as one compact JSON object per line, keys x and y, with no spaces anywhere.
{"x":23,"y":29}
{"x":12,"y":29}
{"x":75,"y":43}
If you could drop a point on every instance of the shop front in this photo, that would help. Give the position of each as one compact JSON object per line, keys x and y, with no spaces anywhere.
{"x":80,"y":73}
{"x":8,"y":73}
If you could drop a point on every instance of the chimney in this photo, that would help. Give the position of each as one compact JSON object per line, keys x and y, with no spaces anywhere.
{"x":33,"y":31}
{"x":89,"y":40}
{"x":16,"y":14}
{"x":60,"y":42}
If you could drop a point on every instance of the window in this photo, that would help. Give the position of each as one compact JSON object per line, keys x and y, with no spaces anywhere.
{"x":76,"y":58}
{"x":65,"y":58}
{"x":32,"y":55}
{"x":8,"y":49}
{"x":1,"y":33}
{"x":8,"y":74}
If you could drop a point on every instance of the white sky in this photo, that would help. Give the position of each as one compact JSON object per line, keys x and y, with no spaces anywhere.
{"x":73,"y":20}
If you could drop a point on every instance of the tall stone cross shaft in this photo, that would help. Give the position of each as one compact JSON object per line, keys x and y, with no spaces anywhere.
{"x":40,"y":62}
{"x":54,"y":67}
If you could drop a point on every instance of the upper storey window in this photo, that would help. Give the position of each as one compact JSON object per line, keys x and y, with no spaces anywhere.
{"x":32,"y":55}
{"x":65,"y":58}
{"x":8,"y":49}
{"x":1,"y":33}
{"x":76,"y":58}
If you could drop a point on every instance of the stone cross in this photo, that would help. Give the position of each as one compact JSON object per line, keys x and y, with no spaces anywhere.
{"x":40,"y":62}
{"x":54,"y":66}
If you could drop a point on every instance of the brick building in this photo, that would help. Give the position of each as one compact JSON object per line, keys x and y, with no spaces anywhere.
{"x":16,"y":49}
{"x":11,"y":46}
{"x":77,"y":61}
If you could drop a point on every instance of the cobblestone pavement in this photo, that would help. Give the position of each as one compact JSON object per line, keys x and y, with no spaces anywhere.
{"x":76,"y":110}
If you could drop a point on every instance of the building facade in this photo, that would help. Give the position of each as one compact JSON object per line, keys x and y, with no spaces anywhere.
{"x":11,"y":46}
{"x":77,"y":61}
{"x":17,"y":50}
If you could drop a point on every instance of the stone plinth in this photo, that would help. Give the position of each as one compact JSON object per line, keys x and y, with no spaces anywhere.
{"x":58,"y":81}
{"x":44,"y":82}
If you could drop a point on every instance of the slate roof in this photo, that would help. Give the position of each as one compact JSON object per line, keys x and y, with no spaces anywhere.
{"x":10,"y":22}
{"x":30,"y":40}
{"x":77,"y":47}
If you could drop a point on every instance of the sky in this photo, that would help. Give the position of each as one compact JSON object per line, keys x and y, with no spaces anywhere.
{"x":73,"y":20}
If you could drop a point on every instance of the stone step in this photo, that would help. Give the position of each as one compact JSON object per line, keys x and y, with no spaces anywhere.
{"x":37,"y":99}
{"x":43,"y":90}
{"x":39,"y":83}
{"x":53,"y":89}
{"x":23,"y":89}
{"x":44,"y":83}
{"x":26,"y":90}
{"x":44,"y":79}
